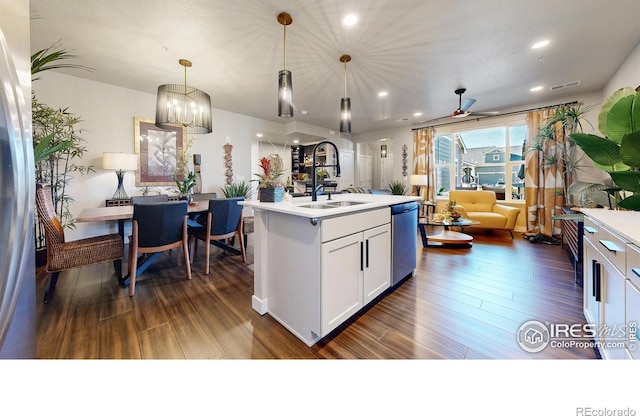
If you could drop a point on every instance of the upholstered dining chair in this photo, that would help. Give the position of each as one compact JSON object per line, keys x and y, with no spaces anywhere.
{"x":149,"y":199}
{"x":223,"y":221}
{"x":65,"y":255}
{"x":157,"y":227}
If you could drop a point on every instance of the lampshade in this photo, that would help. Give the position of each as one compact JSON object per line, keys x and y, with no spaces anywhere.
{"x":419,"y":180}
{"x":183,"y":106}
{"x":120,"y":162}
{"x":285,"y":86}
{"x":345,"y":103}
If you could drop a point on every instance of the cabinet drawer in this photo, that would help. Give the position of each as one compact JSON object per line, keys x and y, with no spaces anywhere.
{"x":632,"y":312}
{"x":613,"y":248}
{"x":337,"y":227}
{"x":591,"y":230}
{"x":633,"y":264}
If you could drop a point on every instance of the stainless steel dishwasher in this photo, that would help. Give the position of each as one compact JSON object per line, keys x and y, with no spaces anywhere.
{"x":404,"y":237}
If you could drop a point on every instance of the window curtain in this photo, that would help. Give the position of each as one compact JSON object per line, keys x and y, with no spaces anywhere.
{"x":424,"y":161}
{"x":544,"y":173}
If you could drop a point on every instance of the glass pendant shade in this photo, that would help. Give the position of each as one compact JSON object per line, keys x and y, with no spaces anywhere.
{"x":285,"y":94}
{"x":345,"y":115}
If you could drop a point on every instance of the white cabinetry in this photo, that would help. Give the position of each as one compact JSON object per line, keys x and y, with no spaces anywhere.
{"x":355,"y":270}
{"x":327,"y":269}
{"x":604,"y":287}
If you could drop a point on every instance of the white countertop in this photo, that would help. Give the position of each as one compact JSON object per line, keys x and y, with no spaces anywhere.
{"x":295,"y":206}
{"x":625,"y":223}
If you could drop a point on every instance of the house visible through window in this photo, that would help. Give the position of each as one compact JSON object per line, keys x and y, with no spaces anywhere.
{"x":491,"y":158}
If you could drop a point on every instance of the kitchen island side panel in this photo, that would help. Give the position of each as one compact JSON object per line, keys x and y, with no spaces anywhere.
{"x":294,"y":274}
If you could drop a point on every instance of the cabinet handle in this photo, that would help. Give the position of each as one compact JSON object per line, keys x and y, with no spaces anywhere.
{"x":361,"y":257}
{"x":598,"y":282}
{"x":609,"y":245}
{"x":367,"y":253}
{"x":590,"y":230}
{"x":594,"y":266}
{"x":636,"y":271}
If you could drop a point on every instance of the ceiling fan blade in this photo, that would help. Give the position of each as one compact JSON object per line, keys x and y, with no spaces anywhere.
{"x":484,"y":113}
{"x":467,"y":103}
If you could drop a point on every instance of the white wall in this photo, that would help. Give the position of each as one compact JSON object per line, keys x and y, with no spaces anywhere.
{"x":626,"y":76}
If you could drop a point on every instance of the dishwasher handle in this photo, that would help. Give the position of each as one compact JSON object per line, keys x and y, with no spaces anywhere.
{"x":403,"y":208}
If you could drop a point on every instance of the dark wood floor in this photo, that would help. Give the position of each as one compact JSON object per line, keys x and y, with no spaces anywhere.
{"x":461,"y":304}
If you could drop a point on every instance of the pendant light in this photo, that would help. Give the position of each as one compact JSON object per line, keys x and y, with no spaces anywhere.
{"x":183,"y":106}
{"x":345,"y":103}
{"x":285,"y":93}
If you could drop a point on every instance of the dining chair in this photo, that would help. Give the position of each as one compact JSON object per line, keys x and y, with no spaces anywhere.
{"x":149,"y":199}
{"x":65,"y":255}
{"x":157,"y":227}
{"x":222,"y":222}
{"x":204,"y":196}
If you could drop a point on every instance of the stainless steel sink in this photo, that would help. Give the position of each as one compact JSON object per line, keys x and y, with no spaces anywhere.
{"x":345,"y":203}
{"x":318,"y":206}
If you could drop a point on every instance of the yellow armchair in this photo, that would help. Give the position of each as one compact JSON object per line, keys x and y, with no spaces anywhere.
{"x":481,"y":206}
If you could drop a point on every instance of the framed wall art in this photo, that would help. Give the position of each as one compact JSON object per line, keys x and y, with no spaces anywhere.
{"x":157,"y":149}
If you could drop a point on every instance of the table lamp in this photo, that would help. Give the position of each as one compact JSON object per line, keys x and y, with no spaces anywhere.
{"x":120,"y":162}
{"x":420,"y":181}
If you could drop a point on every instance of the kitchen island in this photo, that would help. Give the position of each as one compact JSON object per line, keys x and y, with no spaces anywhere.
{"x":318,"y":263}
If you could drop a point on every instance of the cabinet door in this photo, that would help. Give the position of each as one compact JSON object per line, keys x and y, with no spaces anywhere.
{"x":377,"y":261}
{"x":591,"y":286}
{"x":613,"y":304}
{"x":341,"y":280}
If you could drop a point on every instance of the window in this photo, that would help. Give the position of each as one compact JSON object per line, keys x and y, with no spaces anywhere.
{"x":492,"y":158}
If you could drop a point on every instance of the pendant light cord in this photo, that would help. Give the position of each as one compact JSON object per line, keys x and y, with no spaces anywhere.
{"x":345,"y":79}
{"x":284,"y":65}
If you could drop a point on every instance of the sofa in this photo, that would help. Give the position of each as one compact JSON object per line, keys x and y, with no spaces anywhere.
{"x":481,"y":206}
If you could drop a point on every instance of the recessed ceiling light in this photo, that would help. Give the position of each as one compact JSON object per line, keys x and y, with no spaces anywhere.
{"x":304,"y":112}
{"x":259,"y":135}
{"x":296,"y":141}
{"x":540,"y":44}
{"x":383,"y":94}
{"x":538,"y":88}
{"x":350,"y":20}
{"x":417,"y":114}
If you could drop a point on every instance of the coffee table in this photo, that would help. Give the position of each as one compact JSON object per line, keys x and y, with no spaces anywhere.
{"x":446,"y":236}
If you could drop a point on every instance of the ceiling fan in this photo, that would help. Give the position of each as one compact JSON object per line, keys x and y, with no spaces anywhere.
{"x":463,"y":108}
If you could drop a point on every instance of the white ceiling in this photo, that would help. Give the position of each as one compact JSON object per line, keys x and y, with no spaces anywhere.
{"x":419,"y":51}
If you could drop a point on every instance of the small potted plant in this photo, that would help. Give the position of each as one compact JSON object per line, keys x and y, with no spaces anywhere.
{"x":397,"y":188}
{"x":270,"y":187}
{"x":185,"y":185}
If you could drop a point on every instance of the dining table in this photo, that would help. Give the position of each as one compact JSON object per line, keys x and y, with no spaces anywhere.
{"x":122,"y":214}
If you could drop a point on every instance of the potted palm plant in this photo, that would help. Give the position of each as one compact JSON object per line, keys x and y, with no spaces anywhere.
{"x":618,"y":152}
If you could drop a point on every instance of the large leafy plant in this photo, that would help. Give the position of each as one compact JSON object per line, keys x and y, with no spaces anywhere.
{"x":618,"y":152}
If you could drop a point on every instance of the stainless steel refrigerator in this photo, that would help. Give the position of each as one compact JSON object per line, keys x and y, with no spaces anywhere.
{"x":17,"y":187}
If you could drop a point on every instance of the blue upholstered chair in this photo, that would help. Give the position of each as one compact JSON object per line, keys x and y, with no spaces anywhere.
{"x":222,"y":222}
{"x":157,"y":227}
{"x":149,"y":199}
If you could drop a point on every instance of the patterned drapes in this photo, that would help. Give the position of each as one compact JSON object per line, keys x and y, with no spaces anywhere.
{"x":544,"y":173}
{"x":424,"y":161}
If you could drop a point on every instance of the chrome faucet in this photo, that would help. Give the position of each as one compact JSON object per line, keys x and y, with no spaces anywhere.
{"x":314,"y":184}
